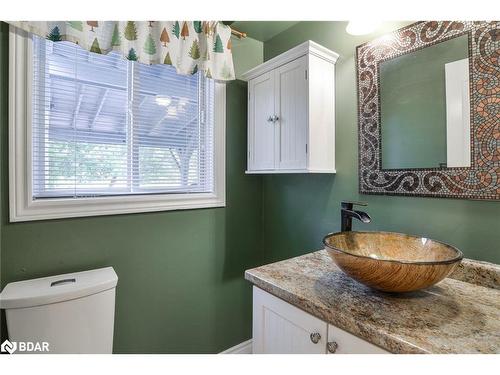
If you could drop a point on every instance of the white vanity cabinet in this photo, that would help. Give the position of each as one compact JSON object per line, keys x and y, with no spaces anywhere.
{"x":291,"y":112}
{"x":280,"y":328}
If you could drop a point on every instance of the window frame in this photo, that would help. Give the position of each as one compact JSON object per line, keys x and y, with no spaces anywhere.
{"x":22,"y":206}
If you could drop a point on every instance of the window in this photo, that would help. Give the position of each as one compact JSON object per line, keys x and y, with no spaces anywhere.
{"x":104,"y":135}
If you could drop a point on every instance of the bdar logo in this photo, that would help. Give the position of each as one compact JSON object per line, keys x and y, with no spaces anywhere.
{"x":24,"y":346}
{"x":9,"y":347}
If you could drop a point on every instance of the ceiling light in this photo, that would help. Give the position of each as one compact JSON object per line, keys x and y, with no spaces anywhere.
{"x":163,"y":100}
{"x":362,"y":27}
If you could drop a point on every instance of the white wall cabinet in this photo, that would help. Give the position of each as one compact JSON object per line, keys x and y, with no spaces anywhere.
{"x":291,"y":112}
{"x":280,"y":328}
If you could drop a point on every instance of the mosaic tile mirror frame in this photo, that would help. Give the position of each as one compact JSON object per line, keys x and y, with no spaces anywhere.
{"x":479,"y":181}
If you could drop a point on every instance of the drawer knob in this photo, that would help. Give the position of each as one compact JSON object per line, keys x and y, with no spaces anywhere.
{"x":315,"y":337}
{"x":332,"y":347}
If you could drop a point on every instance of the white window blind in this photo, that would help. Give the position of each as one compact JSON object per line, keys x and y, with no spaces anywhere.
{"x":104,"y":126}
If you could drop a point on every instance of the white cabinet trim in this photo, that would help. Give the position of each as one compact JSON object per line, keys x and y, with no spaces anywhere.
{"x":290,"y":171}
{"x":305,"y":48}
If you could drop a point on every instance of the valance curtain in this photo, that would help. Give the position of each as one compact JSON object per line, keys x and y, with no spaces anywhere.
{"x":189,"y":46}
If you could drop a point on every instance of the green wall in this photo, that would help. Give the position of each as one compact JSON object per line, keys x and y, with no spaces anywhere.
{"x":181,"y":286}
{"x":247,"y":53}
{"x":300,"y":209}
{"x":413,"y":105}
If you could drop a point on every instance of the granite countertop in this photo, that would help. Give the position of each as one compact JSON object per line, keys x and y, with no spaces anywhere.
{"x":457,"y":315}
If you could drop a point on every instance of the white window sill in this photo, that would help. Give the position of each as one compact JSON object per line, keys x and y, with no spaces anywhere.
{"x":46,"y":209}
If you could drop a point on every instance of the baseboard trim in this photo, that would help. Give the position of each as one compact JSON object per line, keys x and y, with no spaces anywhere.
{"x":244,"y":347}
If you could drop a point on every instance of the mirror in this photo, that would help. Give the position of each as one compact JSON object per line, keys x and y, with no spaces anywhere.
{"x":424,"y":103}
{"x":428,"y":110}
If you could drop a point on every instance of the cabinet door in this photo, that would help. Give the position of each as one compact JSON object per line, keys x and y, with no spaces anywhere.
{"x":291,"y":108}
{"x":261,"y":131}
{"x":280,"y":328}
{"x":347,"y":343}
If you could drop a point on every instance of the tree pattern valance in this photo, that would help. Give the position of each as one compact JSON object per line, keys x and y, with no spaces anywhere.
{"x":189,"y":46}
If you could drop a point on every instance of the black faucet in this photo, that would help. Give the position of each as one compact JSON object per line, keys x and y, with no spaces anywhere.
{"x":347,"y":213}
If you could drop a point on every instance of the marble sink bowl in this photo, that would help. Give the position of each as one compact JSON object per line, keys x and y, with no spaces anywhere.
{"x":392,"y":262}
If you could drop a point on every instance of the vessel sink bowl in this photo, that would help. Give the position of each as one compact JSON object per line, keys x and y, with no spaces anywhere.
{"x":392,"y":262}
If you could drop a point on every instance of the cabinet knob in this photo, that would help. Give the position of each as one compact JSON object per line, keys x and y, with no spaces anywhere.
{"x":270,"y":119}
{"x":315,"y":337}
{"x":332,"y":347}
{"x":275,"y":118}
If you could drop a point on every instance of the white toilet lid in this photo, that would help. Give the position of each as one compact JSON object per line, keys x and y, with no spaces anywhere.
{"x":52,"y":289}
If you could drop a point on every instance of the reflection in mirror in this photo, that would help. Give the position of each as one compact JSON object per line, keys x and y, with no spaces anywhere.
{"x":425,"y":109}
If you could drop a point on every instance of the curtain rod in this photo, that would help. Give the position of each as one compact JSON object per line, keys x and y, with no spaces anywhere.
{"x":238,"y":34}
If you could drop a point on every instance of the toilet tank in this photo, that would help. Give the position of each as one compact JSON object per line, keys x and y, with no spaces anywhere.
{"x":73,"y":313}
